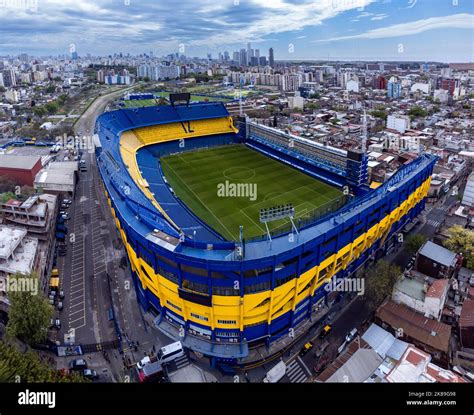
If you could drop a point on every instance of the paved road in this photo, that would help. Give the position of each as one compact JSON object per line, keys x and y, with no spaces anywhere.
{"x":96,"y":275}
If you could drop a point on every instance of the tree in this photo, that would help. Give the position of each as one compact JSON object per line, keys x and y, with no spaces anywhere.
{"x":414,"y":242}
{"x":16,"y":366}
{"x":313,"y":106}
{"x":30,"y":314}
{"x":378,"y":113}
{"x":416,"y":112}
{"x":379,"y":282}
{"x":461,"y":241}
{"x":40,"y":111}
{"x":52,"y":107}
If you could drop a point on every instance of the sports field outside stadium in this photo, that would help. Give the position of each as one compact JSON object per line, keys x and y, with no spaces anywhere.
{"x":135,"y":103}
{"x":227,"y":186}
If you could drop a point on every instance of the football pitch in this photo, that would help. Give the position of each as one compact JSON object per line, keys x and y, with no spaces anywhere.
{"x":227,"y":186}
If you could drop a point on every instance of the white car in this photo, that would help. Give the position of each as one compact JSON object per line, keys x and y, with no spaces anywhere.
{"x":143,"y":362}
{"x":351,"y":335}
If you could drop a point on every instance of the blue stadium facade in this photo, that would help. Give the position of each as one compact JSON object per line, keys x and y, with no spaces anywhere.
{"x":220,"y":297}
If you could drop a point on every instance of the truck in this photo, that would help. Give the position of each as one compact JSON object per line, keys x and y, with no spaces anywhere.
{"x":150,"y":372}
{"x":275,"y":373}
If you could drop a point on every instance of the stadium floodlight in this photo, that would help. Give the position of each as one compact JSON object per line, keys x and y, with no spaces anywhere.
{"x":277,"y":212}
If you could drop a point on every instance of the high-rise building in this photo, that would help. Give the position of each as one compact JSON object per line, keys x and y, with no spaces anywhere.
{"x":271,"y":58}
{"x":243,"y":57}
{"x":9,"y":78}
{"x":262,"y":61}
{"x":1,"y":79}
{"x":449,"y":85}
{"x":394,"y":90}
{"x":257,"y":53}
{"x":249,"y":53}
{"x":380,"y":82}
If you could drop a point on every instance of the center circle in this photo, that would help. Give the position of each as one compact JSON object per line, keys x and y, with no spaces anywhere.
{"x":239,"y":173}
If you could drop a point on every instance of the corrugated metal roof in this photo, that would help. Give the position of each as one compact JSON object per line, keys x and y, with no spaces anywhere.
{"x":415,"y":326}
{"x":467,"y":314}
{"x":438,"y":254}
{"x":358,"y":368}
{"x":379,"y":339}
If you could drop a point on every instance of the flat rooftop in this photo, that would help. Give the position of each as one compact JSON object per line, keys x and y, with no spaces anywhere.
{"x":10,"y":238}
{"x":23,"y":258}
{"x":411,"y":287}
{"x":8,"y":161}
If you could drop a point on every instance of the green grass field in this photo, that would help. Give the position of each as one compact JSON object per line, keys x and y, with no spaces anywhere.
{"x":196,"y":177}
{"x":151,"y":102}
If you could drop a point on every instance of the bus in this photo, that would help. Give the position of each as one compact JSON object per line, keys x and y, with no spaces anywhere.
{"x":170,"y":352}
{"x":275,"y":373}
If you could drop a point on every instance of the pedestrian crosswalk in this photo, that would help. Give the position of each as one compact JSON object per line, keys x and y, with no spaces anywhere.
{"x":295,"y":371}
{"x":182,"y":361}
{"x":433,"y":222}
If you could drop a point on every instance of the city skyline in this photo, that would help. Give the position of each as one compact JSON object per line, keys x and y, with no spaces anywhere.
{"x":396,"y":30}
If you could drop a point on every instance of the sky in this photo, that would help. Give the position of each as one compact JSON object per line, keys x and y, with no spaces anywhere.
{"x":402,"y":30}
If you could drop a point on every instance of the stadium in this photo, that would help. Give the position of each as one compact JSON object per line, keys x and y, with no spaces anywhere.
{"x":227,"y":268}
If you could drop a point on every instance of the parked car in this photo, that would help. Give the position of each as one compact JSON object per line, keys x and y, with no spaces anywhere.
{"x":67,"y":201}
{"x":65,"y":216}
{"x":321,"y":348}
{"x":325,"y":331}
{"x":351,"y":335}
{"x":90,"y":374}
{"x":61,"y":295}
{"x":78,"y":364}
{"x":306,"y":348}
{"x":55,"y":323}
{"x":60,"y":306}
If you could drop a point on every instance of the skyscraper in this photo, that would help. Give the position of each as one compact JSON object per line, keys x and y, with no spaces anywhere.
{"x":271,"y":58}
{"x":243,"y":57}
{"x":249,"y":53}
{"x":9,"y":78}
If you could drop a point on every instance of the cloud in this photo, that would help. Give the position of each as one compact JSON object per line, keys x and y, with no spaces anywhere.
{"x":379,"y":17}
{"x":455,"y":21}
{"x":143,"y":25}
